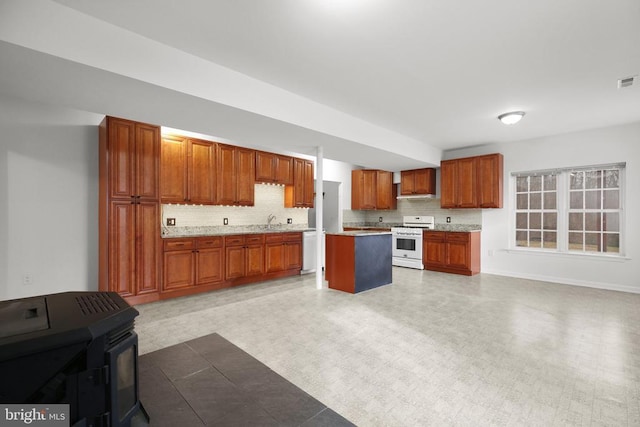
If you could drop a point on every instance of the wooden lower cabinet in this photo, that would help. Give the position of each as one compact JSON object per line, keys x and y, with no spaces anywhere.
{"x":283,"y":251}
{"x":451,"y":252}
{"x":244,"y":256}
{"x":192,"y":262}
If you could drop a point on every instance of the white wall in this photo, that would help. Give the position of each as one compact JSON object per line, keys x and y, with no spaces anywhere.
{"x":48,"y":199}
{"x":599,"y":146}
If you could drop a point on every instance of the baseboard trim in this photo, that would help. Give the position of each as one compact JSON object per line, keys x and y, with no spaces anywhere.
{"x":565,"y":281}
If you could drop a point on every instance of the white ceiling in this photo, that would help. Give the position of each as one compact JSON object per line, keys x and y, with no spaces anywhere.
{"x":436,"y":72}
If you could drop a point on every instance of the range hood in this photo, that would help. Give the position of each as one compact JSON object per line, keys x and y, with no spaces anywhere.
{"x":417,"y":196}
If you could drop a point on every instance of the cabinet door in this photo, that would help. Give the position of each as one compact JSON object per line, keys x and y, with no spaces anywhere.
{"x":467,"y":184}
{"x":433,"y":249}
{"x":307,"y":199}
{"x":407,"y":182}
{"x":122,"y":162}
{"x":209,"y":267}
{"x":147,"y":161}
{"x":148,"y":250}
{"x":458,"y":250}
{"x":234,"y":262}
{"x":246,"y":176}
{"x":274,"y":257}
{"x":226,"y":177}
{"x":122,"y":247}
{"x":201,"y":169}
{"x":173,"y":170}
{"x":265,"y":167}
{"x":385,"y":194}
{"x":490,"y":180}
{"x":284,"y":169}
{"x":178,"y":270}
{"x":425,"y":181}
{"x":293,"y":255}
{"x":449,"y":184}
{"x":255,"y":260}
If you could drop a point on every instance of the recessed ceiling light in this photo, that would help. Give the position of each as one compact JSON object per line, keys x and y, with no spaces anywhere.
{"x":511,"y":118}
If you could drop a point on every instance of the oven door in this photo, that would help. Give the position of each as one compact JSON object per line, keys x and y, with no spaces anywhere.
{"x":407,"y":246}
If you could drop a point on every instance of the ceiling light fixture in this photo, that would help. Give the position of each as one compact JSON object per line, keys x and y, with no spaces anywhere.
{"x":511,"y":118}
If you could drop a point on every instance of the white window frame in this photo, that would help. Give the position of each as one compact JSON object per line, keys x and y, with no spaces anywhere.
{"x":562,"y":208}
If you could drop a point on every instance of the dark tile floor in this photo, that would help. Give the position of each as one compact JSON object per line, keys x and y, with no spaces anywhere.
{"x":210,"y":381}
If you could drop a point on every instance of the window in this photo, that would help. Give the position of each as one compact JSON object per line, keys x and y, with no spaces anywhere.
{"x":573,"y":210}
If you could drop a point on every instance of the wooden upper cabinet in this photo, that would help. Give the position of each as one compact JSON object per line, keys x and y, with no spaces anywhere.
{"x":274,"y":168}
{"x":372,"y":189}
{"x":472,"y":182}
{"x":301,"y":193}
{"x":134,"y":153}
{"x":418,"y":181}
{"x":386,"y":192}
{"x":490,"y":180}
{"x":187,"y":170}
{"x":235,"y":175}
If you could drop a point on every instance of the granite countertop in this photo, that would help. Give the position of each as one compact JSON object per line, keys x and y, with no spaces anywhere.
{"x":439,"y":227}
{"x":225,"y":230}
{"x":359,"y":233}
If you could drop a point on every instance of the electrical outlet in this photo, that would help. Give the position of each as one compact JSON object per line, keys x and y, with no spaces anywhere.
{"x":27,"y":279}
{"x":379,"y":219}
{"x":289,"y":220}
{"x":448,"y":219}
{"x":225,"y":221}
{"x":171,"y":221}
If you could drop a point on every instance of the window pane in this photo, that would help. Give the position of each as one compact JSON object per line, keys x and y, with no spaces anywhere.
{"x":535,"y":239}
{"x":575,"y":241}
{"x":611,"y":179}
{"x":550,"y":200}
{"x":592,"y":199}
{"x":577,"y":180}
{"x":550,"y":221}
{"x":550,"y":240}
{"x":535,"y":201}
{"x":612,"y":243}
{"x":611,"y":221}
{"x":592,"y":221}
{"x":592,"y":242}
{"x":576,"y":200}
{"x":521,"y":238}
{"x":593,"y":179}
{"x":549,"y":182}
{"x":523,"y":201}
{"x":521,"y":220}
{"x":611,"y":199}
{"x":535,"y":221}
{"x":522,"y":184}
{"x":535,"y":183}
{"x":575,"y":221}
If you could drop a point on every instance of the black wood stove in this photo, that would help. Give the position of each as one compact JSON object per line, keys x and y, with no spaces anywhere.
{"x":76,"y":348}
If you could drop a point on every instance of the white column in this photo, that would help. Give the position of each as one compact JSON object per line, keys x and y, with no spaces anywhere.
{"x":319,"y":224}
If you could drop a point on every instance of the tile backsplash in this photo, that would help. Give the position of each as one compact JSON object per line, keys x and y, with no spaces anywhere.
{"x":269,"y":199}
{"x":416,"y":207}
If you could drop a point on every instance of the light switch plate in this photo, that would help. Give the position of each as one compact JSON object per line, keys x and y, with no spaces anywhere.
{"x":171,"y":221}
{"x":289,"y":221}
{"x":225,"y":221}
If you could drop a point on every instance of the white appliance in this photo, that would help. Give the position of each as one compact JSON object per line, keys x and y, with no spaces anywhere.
{"x":309,"y":251}
{"x":407,"y":241}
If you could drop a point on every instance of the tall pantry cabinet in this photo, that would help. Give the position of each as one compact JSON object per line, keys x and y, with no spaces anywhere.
{"x":129,"y":211}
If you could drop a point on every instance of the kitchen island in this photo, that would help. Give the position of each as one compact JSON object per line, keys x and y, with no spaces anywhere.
{"x":357,"y":261}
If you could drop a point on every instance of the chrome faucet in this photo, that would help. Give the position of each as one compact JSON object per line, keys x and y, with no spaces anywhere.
{"x":270,"y":218}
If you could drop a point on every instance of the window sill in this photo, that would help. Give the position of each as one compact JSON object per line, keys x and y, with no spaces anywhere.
{"x":570,"y":255}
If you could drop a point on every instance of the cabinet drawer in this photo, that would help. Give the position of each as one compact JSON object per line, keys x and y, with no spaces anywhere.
{"x":234,"y":240}
{"x":253,"y":239}
{"x":457,"y":237}
{"x":433,"y":236}
{"x":209,"y":242}
{"x":274,"y":237}
{"x":178,"y":244}
{"x":292,"y":237}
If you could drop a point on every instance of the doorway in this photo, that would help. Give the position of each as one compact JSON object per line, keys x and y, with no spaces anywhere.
{"x":331,"y":212}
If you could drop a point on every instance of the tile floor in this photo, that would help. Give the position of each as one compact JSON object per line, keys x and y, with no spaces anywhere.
{"x":432,"y":348}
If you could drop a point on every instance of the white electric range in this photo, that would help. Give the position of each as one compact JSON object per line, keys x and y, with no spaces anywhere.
{"x":407,"y":241}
